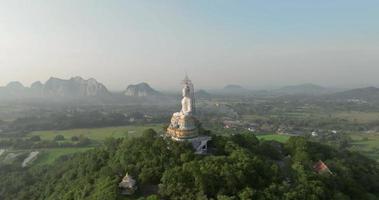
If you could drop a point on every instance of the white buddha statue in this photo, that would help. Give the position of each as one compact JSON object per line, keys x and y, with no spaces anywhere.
{"x":186,"y":101}
{"x":184,"y":120}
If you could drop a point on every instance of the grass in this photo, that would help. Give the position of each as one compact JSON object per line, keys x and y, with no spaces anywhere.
{"x":275,"y":137}
{"x":48,"y":156}
{"x":366,"y":143}
{"x":98,"y":134}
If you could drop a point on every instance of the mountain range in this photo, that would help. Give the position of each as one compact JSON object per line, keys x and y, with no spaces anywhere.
{"x":79,"y":88}
{"x":304,"y":89}
{"x":75,"y":87}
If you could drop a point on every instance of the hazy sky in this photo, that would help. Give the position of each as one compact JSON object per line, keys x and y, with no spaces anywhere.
{"x":251,"y":43}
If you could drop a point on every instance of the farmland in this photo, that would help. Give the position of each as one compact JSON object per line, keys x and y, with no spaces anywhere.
{"x":49,"y":155}
{"x":97,"y":134}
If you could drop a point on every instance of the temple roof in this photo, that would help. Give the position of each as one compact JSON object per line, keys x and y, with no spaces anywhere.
{"x":127,"y":182}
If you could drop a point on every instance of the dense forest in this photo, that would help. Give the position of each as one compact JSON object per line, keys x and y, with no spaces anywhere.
{"x":237,"y":167}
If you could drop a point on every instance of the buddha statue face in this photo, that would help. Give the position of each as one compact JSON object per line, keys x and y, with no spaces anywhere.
{"x":186,"y":91}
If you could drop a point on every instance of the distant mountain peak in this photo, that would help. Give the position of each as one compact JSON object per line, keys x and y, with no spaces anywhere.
{"x":74,"y":87}
{"x":305,"y":85}
{"x":140,"y":90}
{"x":366,"y":93}
{"x":302,"y":89}
{"x":233,"y":87}
{"x":79,"y":78}
{"x":54,"y":78}
{"x":36,"y":85}
{"x":14,"y":85}
{"x":371,"y":88}
{"x":202,"y":94}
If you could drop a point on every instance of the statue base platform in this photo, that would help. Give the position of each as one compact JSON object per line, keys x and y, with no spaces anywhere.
{"x":179,"y":134}
{"x":198,"y":142}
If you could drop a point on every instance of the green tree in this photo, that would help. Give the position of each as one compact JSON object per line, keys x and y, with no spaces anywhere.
{"x":59,"y":138}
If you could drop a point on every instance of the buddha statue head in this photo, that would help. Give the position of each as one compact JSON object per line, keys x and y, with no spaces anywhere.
{"x":186,"y":91}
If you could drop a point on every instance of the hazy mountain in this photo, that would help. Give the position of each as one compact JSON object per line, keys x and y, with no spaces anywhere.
{"x":15,"y":85}
{"x":232,"y":89}
{"x":304,"y":89}
{"x":13,"y":89}
{"x":74,"y":87}
{"x":140,"y":90}
{"x":37,"y":85}
{"x":55,"y":88}
{"x":36,"y":89}
{"x":202,"y":94}
{"x":364,"y":94}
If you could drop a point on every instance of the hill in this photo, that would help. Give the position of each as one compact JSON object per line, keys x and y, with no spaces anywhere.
{"x":15,"y":85}
{"x":233,"y":89}
{"x":202,"y":94}
{"x":240,"y":167}
{"x":140,"y":90}
{"x":370,"y":94}
{"x":14,"y":89}
{"x":303,"y":89}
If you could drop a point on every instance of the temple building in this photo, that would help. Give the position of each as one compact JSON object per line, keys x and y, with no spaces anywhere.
{"x":128,"y":185}
{"x":184,"y":125}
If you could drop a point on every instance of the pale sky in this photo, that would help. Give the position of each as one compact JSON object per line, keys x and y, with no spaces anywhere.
{"x":252,"y":43}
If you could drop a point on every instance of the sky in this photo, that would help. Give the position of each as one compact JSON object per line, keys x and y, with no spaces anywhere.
{"x":256,"y":44}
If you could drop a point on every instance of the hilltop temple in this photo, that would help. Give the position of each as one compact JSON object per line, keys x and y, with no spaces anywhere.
{"x":184,"y":125}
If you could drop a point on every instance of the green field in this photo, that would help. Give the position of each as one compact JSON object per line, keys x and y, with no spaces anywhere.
{"x":45,"y":156}
{"x":366,"y":143}
{"x":275,"y":137}
{"x":97,"y":134}
{"x":48,"y":156}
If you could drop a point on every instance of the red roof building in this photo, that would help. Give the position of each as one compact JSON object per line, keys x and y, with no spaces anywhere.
{"x":320,"y":167}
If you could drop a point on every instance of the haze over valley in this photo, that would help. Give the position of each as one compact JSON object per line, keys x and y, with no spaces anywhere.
{"x":182,"y":100}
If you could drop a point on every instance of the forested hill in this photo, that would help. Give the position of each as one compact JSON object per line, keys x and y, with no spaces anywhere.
{"x":240,"y":167}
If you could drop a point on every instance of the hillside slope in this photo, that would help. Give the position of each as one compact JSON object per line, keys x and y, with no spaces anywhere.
{"x":240,"y":167}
